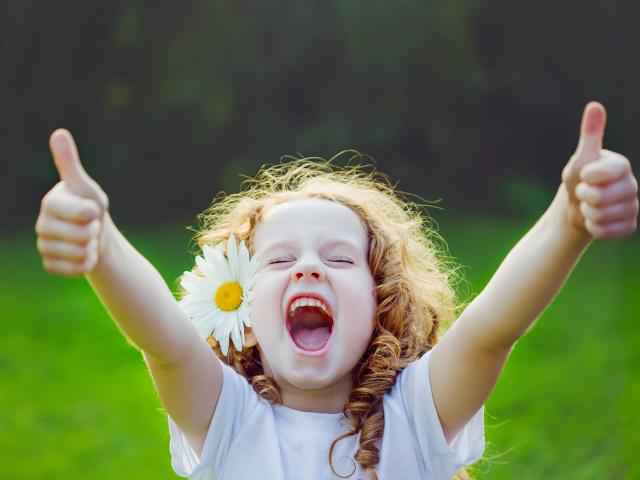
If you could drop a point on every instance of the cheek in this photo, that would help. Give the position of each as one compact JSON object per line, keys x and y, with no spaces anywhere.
{"x":267,"y":297}
{"x":359,"y":304}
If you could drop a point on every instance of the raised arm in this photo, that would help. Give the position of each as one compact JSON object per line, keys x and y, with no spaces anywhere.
{"x":76,"y":236}
{"x":597,"y":199}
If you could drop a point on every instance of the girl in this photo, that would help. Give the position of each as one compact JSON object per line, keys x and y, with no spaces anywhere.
{"x":323,"y":358}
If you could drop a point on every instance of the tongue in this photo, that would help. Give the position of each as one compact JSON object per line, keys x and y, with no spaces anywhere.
{"x":311,"y":338}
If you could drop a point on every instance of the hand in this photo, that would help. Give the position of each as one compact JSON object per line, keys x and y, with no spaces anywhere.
{"x":601,"y":188}
{"x":71,"y":219}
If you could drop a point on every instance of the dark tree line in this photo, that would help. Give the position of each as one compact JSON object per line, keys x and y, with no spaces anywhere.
{"x":477,"y":103}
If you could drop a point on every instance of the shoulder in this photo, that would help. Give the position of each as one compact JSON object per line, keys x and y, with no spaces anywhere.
{"x":237,"y":414}
{"x":411,"y":385}
{"x":410,"y":406}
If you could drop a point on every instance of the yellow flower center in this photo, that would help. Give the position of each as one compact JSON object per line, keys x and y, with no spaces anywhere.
{"x":229,"y":296}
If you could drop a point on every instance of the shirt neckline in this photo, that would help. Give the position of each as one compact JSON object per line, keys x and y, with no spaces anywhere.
{"x":291,"y":412}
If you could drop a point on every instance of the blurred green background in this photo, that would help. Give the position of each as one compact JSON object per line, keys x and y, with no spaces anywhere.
{"x":474,"y":103}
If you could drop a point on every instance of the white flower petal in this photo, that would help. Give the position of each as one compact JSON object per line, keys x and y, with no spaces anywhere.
{"x":190,"y":281}
{"x":237,"y":335}
{"x":243,"y":314}
{"x":243,"y":253}
{"x":247,"y":294}
{"x":210,"y":257}
{"x":220,"y":271}
{"x":197,"y":309}
{"x":232,"y":258}
{"x":206,"y":324}
{"x":224,"y":344}
{"x":215,"y":266}
{"x":243,"y":259}
{"x":252,"y":272}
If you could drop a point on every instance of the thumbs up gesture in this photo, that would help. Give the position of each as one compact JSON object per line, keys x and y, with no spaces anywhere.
{"x":70,"y":224}
{"x":601,"y":188}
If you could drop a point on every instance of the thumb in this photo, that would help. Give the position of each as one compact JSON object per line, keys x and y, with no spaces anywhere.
{"x":594,"y":119}
{"x":67,"y":162}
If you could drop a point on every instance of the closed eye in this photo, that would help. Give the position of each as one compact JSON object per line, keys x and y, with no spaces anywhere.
{"x":340,"y":260}
{"x":280,"y":260}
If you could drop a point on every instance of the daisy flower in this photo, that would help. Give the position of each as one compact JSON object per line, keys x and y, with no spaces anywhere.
{"x":218,"y":301}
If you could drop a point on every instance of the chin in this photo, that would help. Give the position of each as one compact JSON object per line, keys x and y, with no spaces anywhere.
{"x":311,"y":377}
{"x":308,"y":378}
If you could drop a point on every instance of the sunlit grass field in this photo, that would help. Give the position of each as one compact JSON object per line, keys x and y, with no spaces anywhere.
{"x":77,"y":402}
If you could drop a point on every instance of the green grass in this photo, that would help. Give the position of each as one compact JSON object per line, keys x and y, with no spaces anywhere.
{"x":77,"y":401}
{"x":566,"y":403}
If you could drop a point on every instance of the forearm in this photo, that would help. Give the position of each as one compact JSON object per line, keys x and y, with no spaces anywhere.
{"x":139,"y":300}
{"x":527,"y":280}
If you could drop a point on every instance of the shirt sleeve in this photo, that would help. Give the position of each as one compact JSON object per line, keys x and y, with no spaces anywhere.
{"x":468,"y":445}
{"x":234,"y":395}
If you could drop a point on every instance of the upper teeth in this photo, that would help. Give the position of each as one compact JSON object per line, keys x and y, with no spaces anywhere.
{"x":308,"y":302}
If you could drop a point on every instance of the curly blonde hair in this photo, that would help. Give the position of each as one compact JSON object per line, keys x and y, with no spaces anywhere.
{"x":412,"y":273}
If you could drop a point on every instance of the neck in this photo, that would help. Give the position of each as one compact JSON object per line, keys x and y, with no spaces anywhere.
{"x":330,"y":399}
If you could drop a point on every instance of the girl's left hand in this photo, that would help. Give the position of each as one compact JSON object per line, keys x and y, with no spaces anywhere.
{"x":601,"y":188}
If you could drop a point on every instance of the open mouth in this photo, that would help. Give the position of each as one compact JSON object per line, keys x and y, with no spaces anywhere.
{"x":309,"y":323}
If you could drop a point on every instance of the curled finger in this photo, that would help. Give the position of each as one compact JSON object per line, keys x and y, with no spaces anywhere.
{"x":600,"y":196}
{"x":63,"y":267}
{"x":72,"y":208}
{"x":610,"y":167}
{"x":611,"y":213}
{"x":56,"y":229}
{"x":62,"y":250}
{"x":611,"y":231}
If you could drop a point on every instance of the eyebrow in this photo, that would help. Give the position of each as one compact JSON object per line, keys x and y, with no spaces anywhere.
{"x":273,"y":246}
{"x":338,"y":243}
{"x":328,"y":244}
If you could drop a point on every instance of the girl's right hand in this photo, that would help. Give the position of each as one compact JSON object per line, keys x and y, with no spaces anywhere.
{"x":70,"y":224}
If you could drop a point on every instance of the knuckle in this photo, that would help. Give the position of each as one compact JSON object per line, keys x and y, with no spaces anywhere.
{"x":84,"y":234}
{"x":41,"y":244}
{"x":89,"y":231}
{"x":588,"y":212}
{"x":82,"y":251}
{"x":584,"y":209}
{"x":103,"y":201}
{"x":41,"y":225}
{"x":48,"y":265}
{"x":597,"y":215}
{"x":88,"y":212}
{"x":46,"y":199}
{"x":596,"y":198}
{"x":624,"y":162}
{"x":592,"y":228}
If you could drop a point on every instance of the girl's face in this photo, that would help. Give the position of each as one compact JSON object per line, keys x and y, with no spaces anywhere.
{"x":312,"y":249}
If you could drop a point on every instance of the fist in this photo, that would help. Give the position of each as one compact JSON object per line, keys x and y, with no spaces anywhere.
{"x":601,"y":187}
{"x":69,"y":225}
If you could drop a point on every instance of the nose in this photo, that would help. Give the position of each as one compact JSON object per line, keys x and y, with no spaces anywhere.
{"x":307,"y":269}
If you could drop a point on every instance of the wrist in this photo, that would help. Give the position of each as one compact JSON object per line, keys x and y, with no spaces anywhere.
{"x":558,"y":217}
{"x":107,"y":240}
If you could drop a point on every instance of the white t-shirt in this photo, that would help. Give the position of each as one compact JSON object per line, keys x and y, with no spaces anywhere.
{"x":249,"y":438}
